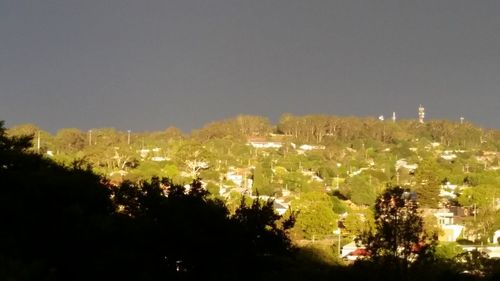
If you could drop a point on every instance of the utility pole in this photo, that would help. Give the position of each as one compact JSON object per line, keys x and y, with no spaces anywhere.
{"x":90,"y":137}
{"x":244,"y":178}
{"x":337,"y":232}
{"x":337,"y":179}
{"x":38,"y":143}
{"x":272,"y":172}
{"x":128,"y":137}
{"x":475,"y":211}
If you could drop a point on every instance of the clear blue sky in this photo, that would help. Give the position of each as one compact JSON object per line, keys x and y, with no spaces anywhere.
{"x":147,"y":65}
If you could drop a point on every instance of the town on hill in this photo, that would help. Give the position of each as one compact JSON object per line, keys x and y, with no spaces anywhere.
{"x":325,"y":172}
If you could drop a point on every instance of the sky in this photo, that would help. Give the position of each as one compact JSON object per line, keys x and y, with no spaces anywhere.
{"x":148,"y":65}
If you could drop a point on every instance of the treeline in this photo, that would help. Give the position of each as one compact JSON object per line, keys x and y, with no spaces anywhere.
{"x":324,"y":129}
{"x":318,"y":129}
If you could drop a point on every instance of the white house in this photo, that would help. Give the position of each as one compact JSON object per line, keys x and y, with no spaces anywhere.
{"x":265,"y":144}
{"x":445,"y":219}
{"x":159,"y":158}
{"x":448,"y":155}
{"x":496,"y":236}
{"x":279,"y":205}
{"x":307,"y":147}
{"x":403,"y":163}
{"x":448,"y":190}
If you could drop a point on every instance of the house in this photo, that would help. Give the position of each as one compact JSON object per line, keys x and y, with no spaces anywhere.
{"x":279,"y":204}
{"x":451,"y":232}
{"x":239,"y":177}
{"x":308,"y":147}
{"x":444,"y":216}
{"x":445,"y":220}
{"x":159,"y":158}
{"x":355,"y":173}
{"x":403,"y":163}
{"x":236,"y":178}
{"x":312,"y":174}
{"x":448,"y":190}
{"x":144,"y":152}
{"x":496,"y":237}
{"x":352,"y":252}
{"x":265,"y":144}
{"x":448,"y":155}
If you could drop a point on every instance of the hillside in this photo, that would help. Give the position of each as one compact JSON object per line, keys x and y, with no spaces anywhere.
{"x":335,"y":165}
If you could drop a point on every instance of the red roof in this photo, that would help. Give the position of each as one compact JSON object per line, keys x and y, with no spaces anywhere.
{"x":359,"y":252}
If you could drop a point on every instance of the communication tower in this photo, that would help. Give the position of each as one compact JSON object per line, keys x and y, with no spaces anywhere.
{"x":421,"y":114}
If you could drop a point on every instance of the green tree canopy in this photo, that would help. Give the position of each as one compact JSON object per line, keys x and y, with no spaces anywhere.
{"x":315,"y":217}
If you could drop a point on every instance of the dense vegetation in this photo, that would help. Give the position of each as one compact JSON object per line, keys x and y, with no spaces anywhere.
{"x":116,"y":205}
{"x":351,"y":158}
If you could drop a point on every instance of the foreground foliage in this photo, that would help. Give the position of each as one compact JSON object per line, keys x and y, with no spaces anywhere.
{"x":65,"y":223}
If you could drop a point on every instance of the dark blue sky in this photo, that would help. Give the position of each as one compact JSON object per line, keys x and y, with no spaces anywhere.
{"x":147,"y":65}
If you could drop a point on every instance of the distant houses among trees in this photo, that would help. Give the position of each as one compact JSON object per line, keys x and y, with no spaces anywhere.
{"x":328,"y":170}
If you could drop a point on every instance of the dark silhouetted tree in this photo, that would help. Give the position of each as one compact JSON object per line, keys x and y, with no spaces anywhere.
{"x":399,"y":230}
{"x":66,"y":223}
